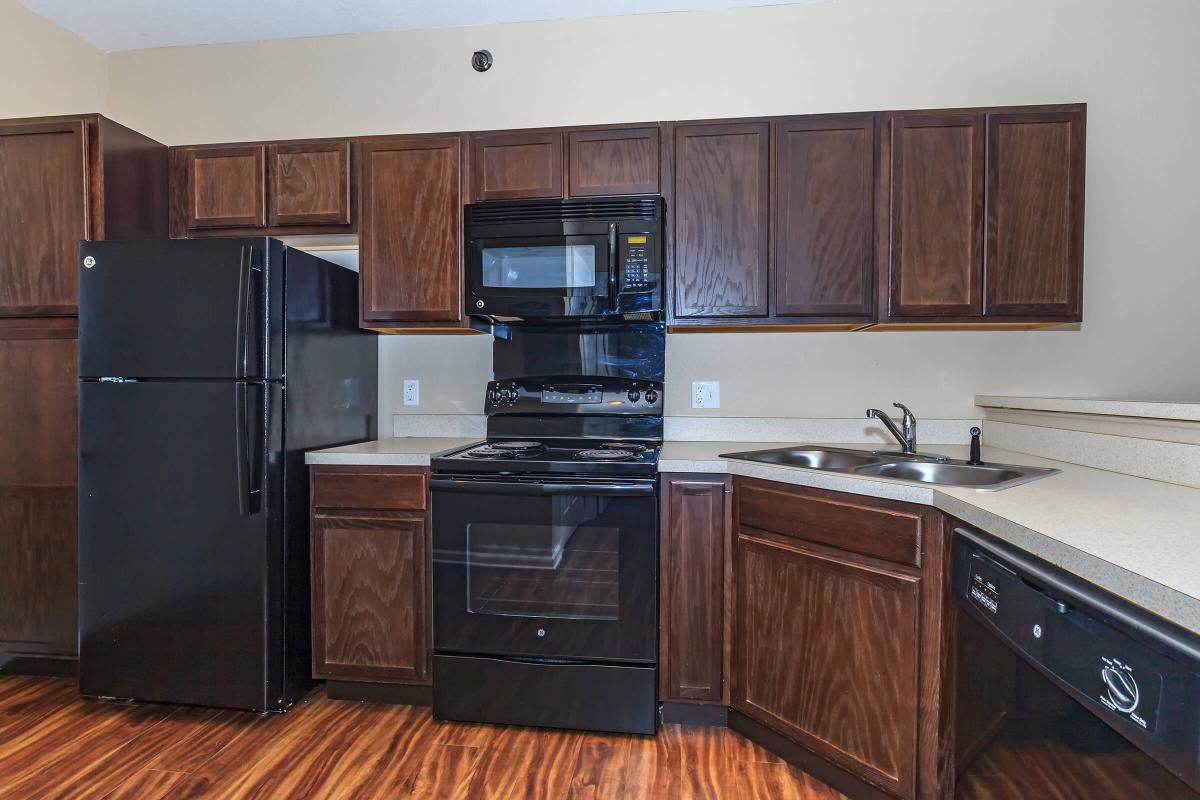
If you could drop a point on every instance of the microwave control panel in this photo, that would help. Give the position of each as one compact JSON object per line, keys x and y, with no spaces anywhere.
{"x":639,"y":262}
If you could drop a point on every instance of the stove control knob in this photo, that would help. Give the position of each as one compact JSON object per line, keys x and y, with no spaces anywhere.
{"x":651,"y":396}
{"x":634,"y":395}
{"x":513,"y":395}
{"x":496,"y":395}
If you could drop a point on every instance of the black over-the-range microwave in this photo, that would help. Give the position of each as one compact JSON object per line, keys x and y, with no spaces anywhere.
{"x":565,"y":259}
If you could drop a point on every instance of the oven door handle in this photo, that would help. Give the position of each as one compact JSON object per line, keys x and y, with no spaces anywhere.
{"x":530,"y":488}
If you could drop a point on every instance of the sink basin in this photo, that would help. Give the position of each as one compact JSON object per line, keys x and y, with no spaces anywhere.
{"x":986,"y":476}
{"x":810,"y":457}
{"x":915,"y":468}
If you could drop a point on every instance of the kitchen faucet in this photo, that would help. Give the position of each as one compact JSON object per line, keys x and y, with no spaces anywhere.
{"x":906,"y":433}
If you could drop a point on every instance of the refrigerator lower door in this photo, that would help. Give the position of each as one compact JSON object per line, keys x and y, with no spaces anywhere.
{"x":176,"y":549}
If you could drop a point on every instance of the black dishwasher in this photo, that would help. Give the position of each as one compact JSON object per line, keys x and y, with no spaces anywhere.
{"x":1065,"y":690}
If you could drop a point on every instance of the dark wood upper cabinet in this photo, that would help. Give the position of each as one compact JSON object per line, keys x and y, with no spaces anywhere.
{"x":1034,"y":244}
{"x":225,"y":186}
{"x":720,"y":220}
{"x":822,"y":221}
{"x":63,"y":179}
{"x":519,"y":165}
{"x":310,"y":183}
{"x":44,"y":212}
{"x":695,"y":557}
{"x":981,"y":215}
{"x":280,"y":188}
{"x":410,"y":234}
{"x":935,"y":187}
{"x":371,"y":572}
{"x":613,"y":161}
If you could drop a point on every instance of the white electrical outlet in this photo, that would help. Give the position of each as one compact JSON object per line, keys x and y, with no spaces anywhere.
{"x":412,"y":392}
{"x":706,"y":394}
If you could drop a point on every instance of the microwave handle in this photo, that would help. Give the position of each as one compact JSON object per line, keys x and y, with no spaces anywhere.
{"x":612,"y":266}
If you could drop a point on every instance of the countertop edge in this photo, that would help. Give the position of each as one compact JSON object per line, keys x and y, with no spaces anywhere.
{"x":1158,"y":598}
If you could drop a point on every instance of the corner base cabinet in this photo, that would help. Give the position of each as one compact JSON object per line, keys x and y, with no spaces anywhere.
{"x":839,"y":641}
{"x":371,"y":576}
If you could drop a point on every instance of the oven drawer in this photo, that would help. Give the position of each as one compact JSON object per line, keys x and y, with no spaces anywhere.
{"x":593,"y":697}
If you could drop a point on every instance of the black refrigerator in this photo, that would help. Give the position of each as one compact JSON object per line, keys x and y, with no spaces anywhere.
{"x":207,"y":369}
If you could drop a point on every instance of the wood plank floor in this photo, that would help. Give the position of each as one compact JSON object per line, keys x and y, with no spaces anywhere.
{"x":53,"y":744}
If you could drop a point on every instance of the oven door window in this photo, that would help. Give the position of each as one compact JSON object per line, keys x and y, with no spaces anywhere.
{"x":568,"y":568}
{"x":541,"y":266}
{"x":522,"y":571}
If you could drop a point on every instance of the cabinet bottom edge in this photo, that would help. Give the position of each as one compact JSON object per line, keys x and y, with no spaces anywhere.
{"x":804,"y":759}
{"x":396,"y":693}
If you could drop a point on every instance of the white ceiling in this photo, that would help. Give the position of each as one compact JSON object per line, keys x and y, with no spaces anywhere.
{"x":136,"y":24}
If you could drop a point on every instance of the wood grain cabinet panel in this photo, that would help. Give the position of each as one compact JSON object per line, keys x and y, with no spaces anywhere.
{"x":44,"y":212}
{"x":1034,"y":251}
{"x":935,"y":216}
{"x":696,"y":531}
{"x":410,"y":233}
{"x":826,"y":653}
{"x":823,"y":225}
{"x":520,"y":165}
{"x":613,"y":162}
{"x":38,"y":488}
{"x":310,"y":183}
{"x":720,"y":220}
{"x":865,"y":525}
{"x":370,"y":598}
{"x":225,"y":186}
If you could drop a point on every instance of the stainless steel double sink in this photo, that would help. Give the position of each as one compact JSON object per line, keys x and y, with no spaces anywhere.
{"x":898,"y":466}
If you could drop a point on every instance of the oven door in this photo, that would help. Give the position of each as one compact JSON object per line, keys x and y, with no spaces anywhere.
{"x":545,"y":568}
{"x":541,"y":276}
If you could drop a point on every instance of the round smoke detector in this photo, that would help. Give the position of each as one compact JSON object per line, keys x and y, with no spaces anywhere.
{"x":481,"y":60}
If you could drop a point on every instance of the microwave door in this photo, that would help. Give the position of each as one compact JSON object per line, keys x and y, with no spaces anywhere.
{"x":541,"y":276}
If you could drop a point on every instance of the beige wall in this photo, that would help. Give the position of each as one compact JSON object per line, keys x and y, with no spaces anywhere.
{"x":1134,"y":63}
{"x":46,"y":69}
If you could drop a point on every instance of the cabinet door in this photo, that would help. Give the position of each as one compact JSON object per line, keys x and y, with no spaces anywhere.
{"x":410,"y":230}
{"x":608,"y":162}
{"x":1034,"y":253}
{"x":38,"y":489}
{"x":696,"y":529}
{"x":826,"y":654}
{"x":935,"y":259}
{"x":720,"y":219}
{"x":44,"y":212}
{"x":370,"y":603}
{"x":225,"y":187}
{"x":823,"y":217}
{"x":310,"y":183}
{"x":510,"y":166}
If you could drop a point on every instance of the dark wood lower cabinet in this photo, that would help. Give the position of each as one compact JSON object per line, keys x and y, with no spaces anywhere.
{"x":844,"y":652}
{"x":371,"y":578}
{"x":38,"y":488}
{"x":693,"y":591}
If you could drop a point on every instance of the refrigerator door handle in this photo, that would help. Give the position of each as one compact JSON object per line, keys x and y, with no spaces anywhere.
{"x":245,"y":313}
{"x":249,"y":464}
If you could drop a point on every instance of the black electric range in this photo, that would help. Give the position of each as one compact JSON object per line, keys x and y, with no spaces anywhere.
{"x":545,"y":539}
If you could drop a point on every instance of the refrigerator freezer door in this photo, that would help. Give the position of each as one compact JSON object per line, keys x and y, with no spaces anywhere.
{"x":176,"y":555}
{"x":178,"y":308}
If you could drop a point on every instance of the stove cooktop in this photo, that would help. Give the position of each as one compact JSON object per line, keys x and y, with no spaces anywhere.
{"x":554,"y":457}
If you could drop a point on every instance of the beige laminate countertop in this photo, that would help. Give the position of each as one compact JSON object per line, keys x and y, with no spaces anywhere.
{"x":1138,"y":538}
{"x":407,"y":451}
